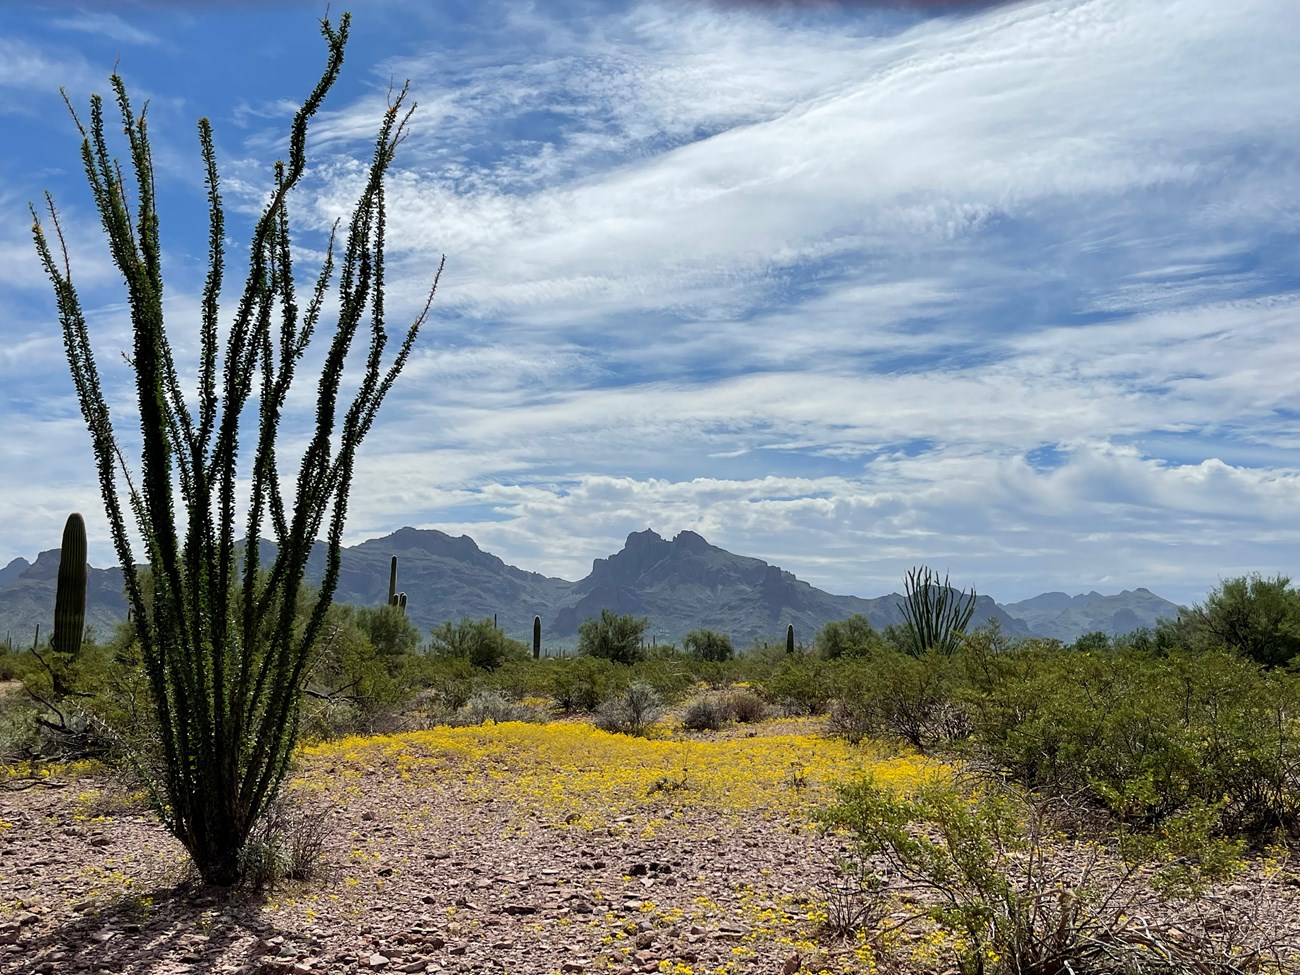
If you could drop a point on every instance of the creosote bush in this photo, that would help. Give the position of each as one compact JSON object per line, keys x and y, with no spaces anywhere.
{"x":982,"y":866}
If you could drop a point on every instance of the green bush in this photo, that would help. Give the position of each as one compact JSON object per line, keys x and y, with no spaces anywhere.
{"x":451,"y":680}
{"x":584,"y":683}
{"x":1256,"y":617}
{"x":852,"y":637}
{"x":477,"y":641}
{"x":982,"y":868}
{"x":613,"y":637}
{"x":904,"y":696}
{"x":708,"y":712}
{"x":708,"y":645}
{"x":798,"y":685}
{"x":1148,"y":737}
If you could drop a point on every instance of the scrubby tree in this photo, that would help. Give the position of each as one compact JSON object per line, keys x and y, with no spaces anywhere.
{"x":613,"y":637}
{"x":225,"y":657}
{"x":478,"y":641}
{"x":852,"y":637}
{"x":1256,"y":617}
{"x":708,"y":645}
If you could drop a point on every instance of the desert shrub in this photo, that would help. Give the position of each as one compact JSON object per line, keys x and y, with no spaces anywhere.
{"x":494,"y":706}
{"x":673,"y":678}
{"x":798,"y":685}
{"x":908,"y":697}
{"x":521,"y":678}
{"x":477,"y":641}
{"x":632,"y":712}
{"x":287,"y":843}
{"x":709,"y":645}
{"x":14,"y":664}
{"x":375,"y":678}
{"x":708,"y":712}
{"x":1256,"y":617}
{"x":1147,"y":737}
{"x":613,"y":637}
{"x":745,"y":706}
{"x":450,"y":680}
{"x":327,"y":719}
{"x":987,"y":877}
{"x":583,"y":683}
{"x":852,"y":637}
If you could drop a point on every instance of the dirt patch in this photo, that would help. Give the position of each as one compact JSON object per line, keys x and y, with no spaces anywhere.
{"x":430,"y":871}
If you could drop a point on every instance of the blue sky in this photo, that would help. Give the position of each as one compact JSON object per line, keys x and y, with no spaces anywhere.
{"x":1008,"y":290}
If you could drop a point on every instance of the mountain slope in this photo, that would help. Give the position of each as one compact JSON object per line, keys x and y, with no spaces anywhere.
{"x":1066,"y":618}
{"x":686,"y":583}
{"x":680,"y":584}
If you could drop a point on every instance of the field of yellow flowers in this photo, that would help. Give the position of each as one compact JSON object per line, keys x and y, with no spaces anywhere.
{"x":529,"y":848}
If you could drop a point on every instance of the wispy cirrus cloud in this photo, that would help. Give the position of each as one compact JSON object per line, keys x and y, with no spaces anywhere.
{"x":103,"y":23}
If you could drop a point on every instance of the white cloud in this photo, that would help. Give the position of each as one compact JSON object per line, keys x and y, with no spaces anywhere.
{"x":104,"y":24}
{"x":820,"y":290}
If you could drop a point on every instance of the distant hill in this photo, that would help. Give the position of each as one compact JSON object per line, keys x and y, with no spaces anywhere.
{"x":686,"y":583}
{"x":1066,"y":618}
{"x":27,"y":598}
{"x":680,"y":584}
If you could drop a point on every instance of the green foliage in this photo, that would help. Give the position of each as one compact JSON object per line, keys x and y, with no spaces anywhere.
{"x":478,"y":641}
{"x":612,"y":636}
{"x":900,"y":695}
{"x":451,"y":681}
{"x":1147,"y":737}
{"x":583,"y":683}
{"x":226,"y":686}
{"x":935,"y":613}
{"x":852,"y":637}
{"x":1256,"y":617}
{"x":708,"y":645}
{"x":798,"y":685}
{"x":1094,"y":642}
{"x":70,"y":597}
{"x":982,"y":864}
{"x":349,"y":664}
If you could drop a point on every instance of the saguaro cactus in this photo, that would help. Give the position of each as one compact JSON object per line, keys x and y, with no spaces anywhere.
{"x":395,"y":598}
{"x":70,"y":599}
{"x":789,"y":638}
{"x":537,"y":637}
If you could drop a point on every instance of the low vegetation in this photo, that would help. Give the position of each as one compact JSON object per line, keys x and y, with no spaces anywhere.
{"x":1027,"y":793}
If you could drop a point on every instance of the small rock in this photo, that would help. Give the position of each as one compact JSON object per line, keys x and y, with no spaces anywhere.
{"x":377,"y":962}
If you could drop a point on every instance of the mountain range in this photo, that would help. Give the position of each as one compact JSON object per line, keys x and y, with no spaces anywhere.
{"x":679,"y":584}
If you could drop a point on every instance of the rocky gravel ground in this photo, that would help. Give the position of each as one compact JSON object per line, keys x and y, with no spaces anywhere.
{"x":427,"y":875}
{"x":477,"y":888}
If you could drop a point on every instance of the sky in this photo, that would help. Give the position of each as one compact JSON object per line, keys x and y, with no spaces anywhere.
{"x":1009,"y":290}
